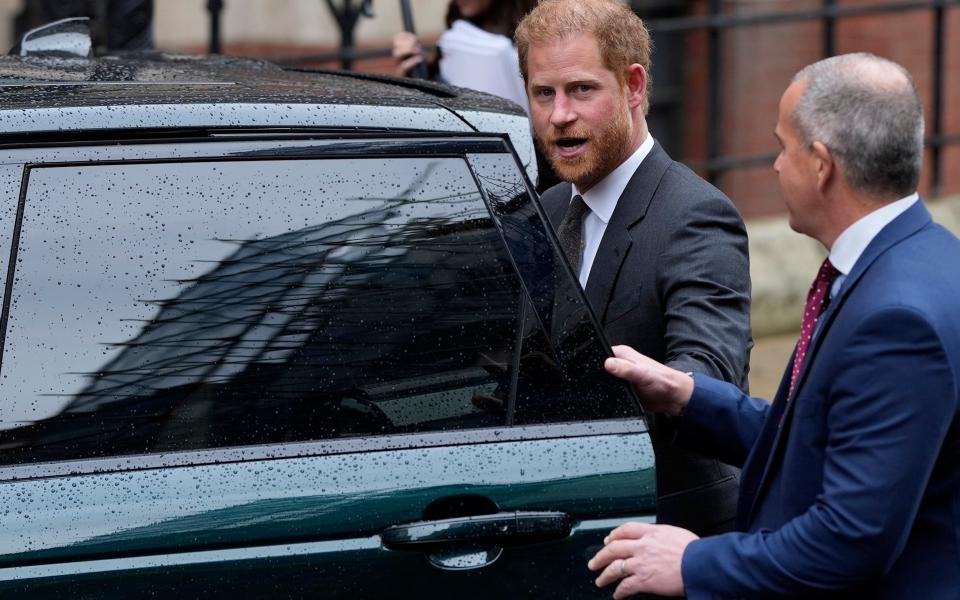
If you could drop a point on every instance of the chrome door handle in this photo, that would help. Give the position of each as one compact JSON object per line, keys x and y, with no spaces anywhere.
{"x":502,"y":529}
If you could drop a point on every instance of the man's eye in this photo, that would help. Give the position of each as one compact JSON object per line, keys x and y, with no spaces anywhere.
{"x":545,"y":93}
{"x":583,"y":88}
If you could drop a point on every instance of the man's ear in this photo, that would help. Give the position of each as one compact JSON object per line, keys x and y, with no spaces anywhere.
{"x":636,"y":85}
{"x":824,"y":164}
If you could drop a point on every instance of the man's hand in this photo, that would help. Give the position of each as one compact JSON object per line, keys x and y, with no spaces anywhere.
{"x":661,"y":389}
{"x":645,"y":557}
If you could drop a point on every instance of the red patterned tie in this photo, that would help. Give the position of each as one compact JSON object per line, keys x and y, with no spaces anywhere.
{"x":819,"y":292}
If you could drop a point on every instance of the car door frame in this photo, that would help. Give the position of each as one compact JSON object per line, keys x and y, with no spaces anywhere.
{"x":624,"y":443}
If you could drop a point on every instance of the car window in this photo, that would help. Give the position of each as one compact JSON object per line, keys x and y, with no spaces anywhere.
{"x":192,"y":305}
{"x":164,"y":306}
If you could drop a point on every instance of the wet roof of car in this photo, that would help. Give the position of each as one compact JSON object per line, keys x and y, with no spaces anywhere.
{"x":171,"y":81}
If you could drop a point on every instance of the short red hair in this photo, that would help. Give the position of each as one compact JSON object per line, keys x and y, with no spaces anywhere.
{"x":622,"y":37}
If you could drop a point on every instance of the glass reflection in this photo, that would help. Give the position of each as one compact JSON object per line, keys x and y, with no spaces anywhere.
{"x":162,"y":307}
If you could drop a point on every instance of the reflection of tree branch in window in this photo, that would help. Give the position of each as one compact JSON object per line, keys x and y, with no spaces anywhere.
{"x":279,"y":276}
{"x":300,"y":320}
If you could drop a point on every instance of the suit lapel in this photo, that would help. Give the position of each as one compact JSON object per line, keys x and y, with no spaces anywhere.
{"x":615,"y":245}
{"x":912,"y":220}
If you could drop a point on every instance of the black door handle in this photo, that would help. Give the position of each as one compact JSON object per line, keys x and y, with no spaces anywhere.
{"x":502,"y":529}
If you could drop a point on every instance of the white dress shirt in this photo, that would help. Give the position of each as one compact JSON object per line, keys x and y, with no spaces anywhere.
{"x":602,"y":200}
{"x":851,"y":243}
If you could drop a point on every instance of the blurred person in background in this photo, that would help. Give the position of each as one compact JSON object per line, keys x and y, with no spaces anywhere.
{"x":476,"y":51}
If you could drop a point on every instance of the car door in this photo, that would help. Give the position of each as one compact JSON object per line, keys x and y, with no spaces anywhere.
{"x":302,"y":367}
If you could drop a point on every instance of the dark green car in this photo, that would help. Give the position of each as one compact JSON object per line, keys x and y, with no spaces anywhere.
{"x":270,"y":333}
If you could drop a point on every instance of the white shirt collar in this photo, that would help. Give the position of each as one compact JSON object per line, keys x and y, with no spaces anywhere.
{"x":854,"y":240}
{"x":602,"y":198}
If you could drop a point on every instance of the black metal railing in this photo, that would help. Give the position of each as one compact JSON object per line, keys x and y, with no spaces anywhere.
{"x":716,"y":22}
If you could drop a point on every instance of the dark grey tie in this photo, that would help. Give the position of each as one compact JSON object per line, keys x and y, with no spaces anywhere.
{"x":570,"y":232}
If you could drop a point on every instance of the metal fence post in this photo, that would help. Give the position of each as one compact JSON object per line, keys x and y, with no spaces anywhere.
{"x":937,"y":116}
{"x":829,"y":28}
{"x":215,"y":7}
{"x":713,"y":115}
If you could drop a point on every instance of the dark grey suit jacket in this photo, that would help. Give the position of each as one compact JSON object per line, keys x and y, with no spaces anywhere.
{"x":671,"y":278}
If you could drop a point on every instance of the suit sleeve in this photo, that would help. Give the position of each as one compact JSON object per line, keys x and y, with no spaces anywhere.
{"x":887,"y":417}
{"x":721,"y":421}
{"x":703,"y":279}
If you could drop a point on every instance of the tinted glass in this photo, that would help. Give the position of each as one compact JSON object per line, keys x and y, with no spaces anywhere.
{"x":172,"y":306}
{"x":561,"y":374}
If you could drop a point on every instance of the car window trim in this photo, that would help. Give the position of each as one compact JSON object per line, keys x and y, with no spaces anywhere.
{"x":316,"y":448}
{"x":481,"y":142}
{"x":12,"y":264}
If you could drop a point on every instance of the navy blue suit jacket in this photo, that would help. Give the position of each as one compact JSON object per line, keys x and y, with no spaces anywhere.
{"x":853,"y":485}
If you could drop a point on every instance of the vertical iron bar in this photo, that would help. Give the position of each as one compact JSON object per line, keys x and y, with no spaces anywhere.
{"x":347,"y":17}
{"x":347,"y":25}
{"x":214,"y":7}
{"x":829,"y":28}
{"x":713,"y":111}
{"x":937,"y":117}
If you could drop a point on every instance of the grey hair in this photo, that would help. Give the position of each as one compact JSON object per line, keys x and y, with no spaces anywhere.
{"x":870,"y":118}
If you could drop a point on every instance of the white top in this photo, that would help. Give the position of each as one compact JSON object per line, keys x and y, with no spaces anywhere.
{"x":851,"y":243}
{"x":487,"y":62}
{"x":602,"y":200}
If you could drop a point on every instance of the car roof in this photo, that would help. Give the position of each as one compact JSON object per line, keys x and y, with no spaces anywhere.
{"x":155,"y":91}
{"x":31,"y":85}
{"x":160,"y":78}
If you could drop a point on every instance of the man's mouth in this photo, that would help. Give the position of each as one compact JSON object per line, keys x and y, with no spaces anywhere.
{"x":568,"y":147}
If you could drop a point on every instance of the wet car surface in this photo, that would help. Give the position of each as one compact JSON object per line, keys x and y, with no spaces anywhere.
{"x":273,"y":333}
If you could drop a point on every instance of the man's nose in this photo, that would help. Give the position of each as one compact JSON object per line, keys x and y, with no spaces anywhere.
{"x":563,"y":113}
